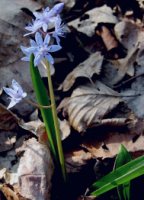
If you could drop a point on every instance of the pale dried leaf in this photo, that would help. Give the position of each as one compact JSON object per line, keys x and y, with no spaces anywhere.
{"x":2,"y":173}
{"x":102,"y":14}
{"x":9,"y":10}
{"x":86,"y":69}
{"x":35,"y":171}
{"x":89,"y":104}
{"x":65,"y":129}
{"x":12,"y":23}
{"x":141,"y":3}
{"x":68,"y":3}
{"x":31,"y":126}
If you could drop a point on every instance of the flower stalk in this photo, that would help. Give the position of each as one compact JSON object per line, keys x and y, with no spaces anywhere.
{"x":55,"y":119}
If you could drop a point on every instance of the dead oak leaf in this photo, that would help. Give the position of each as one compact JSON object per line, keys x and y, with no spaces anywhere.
{"x":89,"y":104}
{"x":85,"y":69}
{"x":103,"y":14}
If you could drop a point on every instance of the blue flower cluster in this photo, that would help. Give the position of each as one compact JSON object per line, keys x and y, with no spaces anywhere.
{"x":43,"y":44}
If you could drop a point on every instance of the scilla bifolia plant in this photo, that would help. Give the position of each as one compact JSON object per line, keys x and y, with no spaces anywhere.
{"x":44,"y":43}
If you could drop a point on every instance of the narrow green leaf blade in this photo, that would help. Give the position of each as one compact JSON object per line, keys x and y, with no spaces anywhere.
{"x":121,"y":175}
{"x":122,"y":158}
{"x":43,"y":99}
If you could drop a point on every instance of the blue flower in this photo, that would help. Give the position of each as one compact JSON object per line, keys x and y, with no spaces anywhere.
{"x":33,"y":27}
{"x":60,"y":29}
{"x":48,"y":16}
{"x":16,"y":93}
{"x":41,"y":49}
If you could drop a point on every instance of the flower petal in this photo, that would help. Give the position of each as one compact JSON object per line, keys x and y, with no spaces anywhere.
{"x":56,"y":9}
{"x":37,"y":59}
{"x":26,"y":58}
{"x":9,"y":91}
{"x":33,"y":43}
{"x":38,"y":15}
{"x":38,"y":38}
{"x":16,"y":87}
{"x":45,"y":27}
{"x":12,"y":103}
{"x":49,"y":58}
{"x":54,"y":48}
{"x":47,"y":39}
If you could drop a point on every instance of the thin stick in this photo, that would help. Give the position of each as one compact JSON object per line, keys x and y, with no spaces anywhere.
{"x":127,"y":81}
{"x":37,"y":105}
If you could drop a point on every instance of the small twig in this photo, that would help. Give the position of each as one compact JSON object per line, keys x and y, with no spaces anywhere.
{"x":109,"y":95}
{"x":127,"y":81}
{"x":37,"y":105}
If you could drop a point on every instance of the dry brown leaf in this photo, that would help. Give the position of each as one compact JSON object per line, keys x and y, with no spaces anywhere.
{"x":131,"y":37}
{"x":107,"y":37}
{"x":108,"y":146}
{"x":135,"y":103}
{"x":102,"y":14}
{"x":76,"y":159}
{"x":86,"y":69}
{"x":89,"y":104}
{"x":7,"y":140}
{"x":8,"y":121}
{"x":9,"y":193}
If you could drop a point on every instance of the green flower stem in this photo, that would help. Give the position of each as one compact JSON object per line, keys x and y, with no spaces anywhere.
{"x":56,"y":123}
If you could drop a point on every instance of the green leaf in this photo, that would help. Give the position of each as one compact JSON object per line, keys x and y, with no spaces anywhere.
{"x":43,"y":99}
{"x":122,"y":158}
{"x":121,"y":175}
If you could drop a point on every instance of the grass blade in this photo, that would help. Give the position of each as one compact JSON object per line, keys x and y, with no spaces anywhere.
{"x":122,"y":158}
{"x":121,"y":175}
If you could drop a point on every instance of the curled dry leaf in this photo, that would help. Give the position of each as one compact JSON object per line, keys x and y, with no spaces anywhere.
{"x":102,"y":14}
{"x":85,"y":69}
{"x":89,"y":104}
